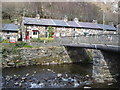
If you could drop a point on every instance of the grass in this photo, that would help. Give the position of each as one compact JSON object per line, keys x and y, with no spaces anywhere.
{"x":27,"y":46}
{"x":37,"y":46}
{"x":42,"y":39}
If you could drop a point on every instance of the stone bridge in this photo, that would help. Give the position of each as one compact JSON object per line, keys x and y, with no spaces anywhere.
{"x":105,"y":51}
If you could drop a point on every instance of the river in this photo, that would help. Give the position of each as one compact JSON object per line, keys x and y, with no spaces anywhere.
{"x":52,"y":76}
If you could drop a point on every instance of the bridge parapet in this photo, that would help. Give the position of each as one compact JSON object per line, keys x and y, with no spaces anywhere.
{"x":96,"y":39}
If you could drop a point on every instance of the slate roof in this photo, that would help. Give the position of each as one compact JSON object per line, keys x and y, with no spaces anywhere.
{"x":9,"y":27}
{"x":62,"y":23}
{"x":89,"y":25}
{"x":108,"y":27}
{"x":73,"y":24}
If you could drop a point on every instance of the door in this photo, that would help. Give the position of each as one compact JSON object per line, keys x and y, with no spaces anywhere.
{"x":27,"y":35}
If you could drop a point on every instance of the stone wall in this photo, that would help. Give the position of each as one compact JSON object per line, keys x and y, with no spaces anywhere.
{"x":46,"y":56}
{"x":36,"y":56}
{"x":62,"y":31}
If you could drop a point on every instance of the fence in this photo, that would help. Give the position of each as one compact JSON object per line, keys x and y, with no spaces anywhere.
{"x":96,"y":39}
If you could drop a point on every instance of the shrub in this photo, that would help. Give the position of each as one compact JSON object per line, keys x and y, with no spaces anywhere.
{"x":20,"y":44}
{"x":50,"y":30}
{"x":5,"y":41}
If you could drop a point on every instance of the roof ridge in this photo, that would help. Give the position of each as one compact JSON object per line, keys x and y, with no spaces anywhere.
{"x":77,"y":23}
{"x":66,"y":23}
{"x":53,"y":21}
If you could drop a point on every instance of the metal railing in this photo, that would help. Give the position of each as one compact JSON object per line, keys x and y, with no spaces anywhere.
{"x":113,"y":39}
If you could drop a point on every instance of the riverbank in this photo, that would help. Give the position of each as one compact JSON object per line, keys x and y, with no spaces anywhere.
{"x":40,"y":56}
{"x":52,"y":76}
{"x":52,"y":55}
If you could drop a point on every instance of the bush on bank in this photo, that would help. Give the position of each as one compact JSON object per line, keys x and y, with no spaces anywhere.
{"x":12,"y":48}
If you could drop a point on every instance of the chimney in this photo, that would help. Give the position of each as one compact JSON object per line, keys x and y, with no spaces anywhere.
{"x":118,"y":29}
{"x":38,"y":16}
{"x":15,"y":21}
{"x":76,"y":20}
{"x":95,"y":21}
{"x":65,"y":18}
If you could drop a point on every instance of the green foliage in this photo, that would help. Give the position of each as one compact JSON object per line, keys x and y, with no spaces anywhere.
{"x":9,"y":50}
{"x":12,"y":48}
{"x":36,"y":40}
{"x":0,"y":39}
{"x":50,"y":30}
{"x":20,"y":44}
{"x":37,"y":46}
{"x":6,"y":21}
{"x":19,"y":63}
{"x":42,"y":40}
{"x":5,"y":41}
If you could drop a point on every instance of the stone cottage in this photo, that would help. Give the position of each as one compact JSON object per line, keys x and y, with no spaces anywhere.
{"x":38,"y":27}
{"x":10,"y":32}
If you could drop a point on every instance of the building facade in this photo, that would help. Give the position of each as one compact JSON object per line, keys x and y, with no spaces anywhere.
{"x":36,"y":28}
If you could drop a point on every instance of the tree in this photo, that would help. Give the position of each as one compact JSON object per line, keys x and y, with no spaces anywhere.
{"x":50,"y":31}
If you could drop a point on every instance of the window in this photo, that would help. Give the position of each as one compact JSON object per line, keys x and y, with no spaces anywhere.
{"x":8,"y":37}
{"x":34,"y":33}
{"x":8,"y":32}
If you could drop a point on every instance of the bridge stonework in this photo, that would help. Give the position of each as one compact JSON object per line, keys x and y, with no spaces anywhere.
{"x":104,"y":50}
{"x":105,"y":63}
{"x":101,"y":71}
{"x":113,"y":61}
{"x":78,"y":55}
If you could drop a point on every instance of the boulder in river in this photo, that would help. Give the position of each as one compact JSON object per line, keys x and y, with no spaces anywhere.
{"x":16,"y":83}
{"x":87,"y":87}
{"x":59,"y":74}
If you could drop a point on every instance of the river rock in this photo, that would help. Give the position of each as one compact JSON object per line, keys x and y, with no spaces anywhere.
{"x":41,"y":84}
{"x":34,"y":71}
{"x":87,"y":76}
{"x":20,"y":84}
{"x":10,"y":64}
{"x":16,"y":83}
{"x":7,"y":78}
{"x":110,"y":84}
{"x":86,"y":87}
{"x":59,"y":74}
{"x":76,"y":84}
{"x":30,"y":80}
{"x":27,"y":74}
{"x":23,"y":78}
